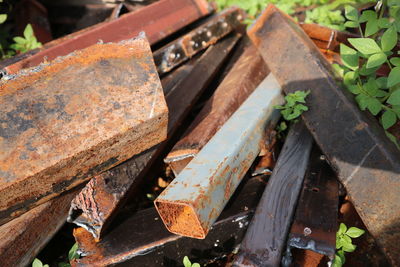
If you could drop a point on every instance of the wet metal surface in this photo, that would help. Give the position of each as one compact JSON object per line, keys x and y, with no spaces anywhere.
{"x":98,"y":202}
{"x":315,"y":223}
{"x":197,"y":40}
{"x":157,"y":20}
{"x":192,"y":202}
{"x":142,"y":239}
{"x":247,"y":72}
{"x":56,"y":132}
{"x":23,"y":238}
{"x":365,"y":160}
{"x":266,"y":236}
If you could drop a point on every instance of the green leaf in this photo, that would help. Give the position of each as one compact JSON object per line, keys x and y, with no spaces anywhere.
{"x":349,"y":56}
{"x":348,"y":247}
{"x":73,"y":252}
{"x":351,"y":24}
{"x":340,"y":253}
{"x":351,"y":13}
{"x":346,"y":240}
{"x":342,"y":228}
{"x":374,"y":106}
{"x":395,"y":61}
{"x":384,"y":23}
{"x":338,"y":69}
{"x":376,"y":60}
{"x":389,"y":39}
{"x":19,"y":40}
{"x":354,"y":89}
{"x":366,"y":72}
{"x":382,"y":82}
{"x":186,"y":262}
{"x":394,"y":77}
{"x":37,"y":263}
{"x":362,"y":101}
{"x":64,"y":264}
{"x":339,"y":243}
{"x":337,"y":262}
{"x":350,"y":77}
{"x":371,"y":27}
{"x":195,"y":265}
{"x":3,"y":18}
{"x":394,"y":98}
{"x":368,"y":15}
{"x":355,"y":232}
{"x":28,"y":32}
{"x":365,"y":45}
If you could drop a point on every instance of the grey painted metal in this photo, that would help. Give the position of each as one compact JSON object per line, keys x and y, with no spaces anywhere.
{"x":193,"y":201}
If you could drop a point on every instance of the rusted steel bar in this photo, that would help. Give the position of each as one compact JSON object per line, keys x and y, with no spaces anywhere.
{"x":315,"y":222}
{"x":142,"y":240}
{"x":157,"y":20}
{"x":22,"y":238}
{"x":57,"y":132}
{"x":200,"y":38}
{"x":365,"y":160}
{"x":193,"y":201}
{"x":248,"y":71}
{"x":266,"y":236}
{"x":98,"y":202}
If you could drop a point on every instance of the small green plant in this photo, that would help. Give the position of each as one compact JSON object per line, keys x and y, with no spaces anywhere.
{"x":187,"y":263}
{"x":376,"y":48}
{"x":72,"y":254}
{"x":26,"y":43}
{"x":292,"y":109}
{"x":344,"y":243}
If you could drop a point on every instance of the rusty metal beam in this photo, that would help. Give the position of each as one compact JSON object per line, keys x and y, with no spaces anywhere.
{"x":315,"y":222}
{"x":57,"y":132}
{"x":266,"y":236}
{"x":142,"y":240}
{"x":246,"y":73}
{"x":157,"y":20}
{"x":200,"y":38}
{"x":192,"y":202}
{"x":365,"y":160}
{"x":22,"y":238}
{"x":98,"y":202}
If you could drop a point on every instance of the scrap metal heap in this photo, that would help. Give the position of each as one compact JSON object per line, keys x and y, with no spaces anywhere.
{"x":90,"y":121}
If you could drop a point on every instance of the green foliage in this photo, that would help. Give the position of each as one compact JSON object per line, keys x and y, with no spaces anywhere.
{"x":26,"y":43}
{"x":379,"y":95}
{"x":323,"y":12}
{"x":187,"y":263}
{"x":344,"y":243}
{"x":292,"y":109}
{"x":38,"y":263}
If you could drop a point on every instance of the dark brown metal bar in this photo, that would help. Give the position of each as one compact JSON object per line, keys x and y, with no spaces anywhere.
{"x":315,"y":222}
{"x":57,"y":132}
{"x":96,"y":205}
{"x":365,"y":160}
{"x":22,"y":238}
{"x":265,"y":239}
{"x":248,"y":71}
{"x":197,"y":40}
{"x":157,"y":20}
{"x":142,"y":239}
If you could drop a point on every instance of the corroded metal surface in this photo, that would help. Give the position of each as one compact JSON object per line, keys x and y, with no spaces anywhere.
{"x":247,"y":72}
{"x":365,"y":160}
{"x":142,"y":240}
{"x":200,"y":38}
{"x":98,"y":202}
{"x":157,"y":20}
{"x":315,"y":222}
{"x":56,"y":132}
{"x":22,"y":238}
{"x":193,"y":201}
{"x":266,"y":236}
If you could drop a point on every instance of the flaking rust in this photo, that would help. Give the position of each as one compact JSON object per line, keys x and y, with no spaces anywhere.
{"x":364,"y":159}
{"x":63,"y":122}
{"x":197,"y":40}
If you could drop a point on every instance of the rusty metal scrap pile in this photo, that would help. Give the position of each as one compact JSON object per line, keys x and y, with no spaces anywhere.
{"x":89,"y":119}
